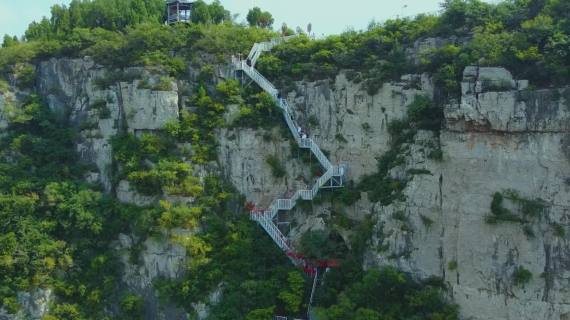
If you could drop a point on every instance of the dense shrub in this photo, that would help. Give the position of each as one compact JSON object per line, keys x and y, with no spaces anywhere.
{"x":386,"y":293}
{"x":56,"y":230}
{"x":527,"y":209}
{"x":521,"y":276}
{"x":529,"y":38}
{"x":323,"y":245}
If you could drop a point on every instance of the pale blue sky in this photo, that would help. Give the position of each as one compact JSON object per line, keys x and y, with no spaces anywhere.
{"x":327,"y":16}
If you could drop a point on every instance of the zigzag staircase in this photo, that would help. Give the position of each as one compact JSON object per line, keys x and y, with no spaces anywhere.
{"x":333,"y":176}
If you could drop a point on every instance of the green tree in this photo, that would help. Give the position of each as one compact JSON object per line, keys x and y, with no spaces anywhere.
{"x":260,"y":314}
{"x":9,"y":41}
{"x":258,"y":18}
{"x":286,"y":31}
{"x":201,"y":12}
{"x":292,"y":298}
{"x":218,"y":13}
{"x":132,"y":306}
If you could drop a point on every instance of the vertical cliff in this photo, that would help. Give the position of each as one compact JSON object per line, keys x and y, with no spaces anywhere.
{"x":501,"y":140}
{"x":500,"y":137}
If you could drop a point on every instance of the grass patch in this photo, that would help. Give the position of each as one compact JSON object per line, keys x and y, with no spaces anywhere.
{"x":163,"y":84}
{"x":452,"y":265}
{"x":267,"y":136}
{"x":313,"y":121}
{"x":101,"y":106}
{"x":527,"y":208}
{"x":4,"y":86}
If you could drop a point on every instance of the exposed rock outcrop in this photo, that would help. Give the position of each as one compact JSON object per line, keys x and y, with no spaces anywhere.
{"x":35,"y":305}
{"x":493,"y":142}
{"x":3,"y":115}
{"x":102,"y":102}
{"x":492,"y":101}
{"x":501,"y":135}
{"x":351,"y":124}
{"x":244,"y":154}
{"x":147,"y":261}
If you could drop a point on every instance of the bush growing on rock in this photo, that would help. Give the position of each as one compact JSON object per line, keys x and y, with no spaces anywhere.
{"x":521,"y":276}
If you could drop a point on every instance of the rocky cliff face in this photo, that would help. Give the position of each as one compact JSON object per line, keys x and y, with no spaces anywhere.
{"x":500,"y":136}
{"x":340,"y":116}
{"x":100,"y":103}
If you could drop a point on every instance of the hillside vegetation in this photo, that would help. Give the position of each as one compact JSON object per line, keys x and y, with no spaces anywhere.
{"x":57,"y":230}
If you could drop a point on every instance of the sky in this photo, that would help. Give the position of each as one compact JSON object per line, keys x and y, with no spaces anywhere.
{"x":326,"y":16}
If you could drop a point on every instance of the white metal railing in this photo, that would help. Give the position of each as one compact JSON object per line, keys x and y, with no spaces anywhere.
{"x":265,"y":217}
{"x":260,"y":80}
{"x":313,"y":289}
{"x":253,"y":50}
{"x":259,"y":48}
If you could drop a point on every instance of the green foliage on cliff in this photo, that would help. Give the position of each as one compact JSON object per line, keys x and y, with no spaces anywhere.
{"x":229,"y":250}
{"x":526,"y":210}
{"x":258,"y":18}
{"x":530,"y":38}
{"x":55,"y":228}
{"x":277,"y":169}
{"x":323,"y":245}
{"x":153,"y":166}
{"x":384,"y":294}
{"x":421,"y":114}
{"x":521,"y":276}
{"x":253,"y":272}
{"x":124,"y":33}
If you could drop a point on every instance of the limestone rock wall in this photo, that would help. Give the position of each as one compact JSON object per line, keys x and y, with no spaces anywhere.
{"x":100,"y":103}
{"x":492,"y":101}
{"x":340,"y":116}
{"x":500,"y":135}
{"x":243,"y":156}
{"x":345,"y":120}
{"x":493,"y":141}
{"x":145,"y":261}
{"x":4,"y":100}
{"x":100,"y":106}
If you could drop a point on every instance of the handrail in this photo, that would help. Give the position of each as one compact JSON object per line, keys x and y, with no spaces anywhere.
{"x":265,"y":218}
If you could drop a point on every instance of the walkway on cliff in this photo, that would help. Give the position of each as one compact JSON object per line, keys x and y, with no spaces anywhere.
{"x":332,"y":177}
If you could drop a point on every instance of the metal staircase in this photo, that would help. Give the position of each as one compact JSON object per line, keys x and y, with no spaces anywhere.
{"x":332,"y":177}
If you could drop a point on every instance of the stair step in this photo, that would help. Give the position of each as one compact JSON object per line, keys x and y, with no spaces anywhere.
{"x":265,"y":217}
